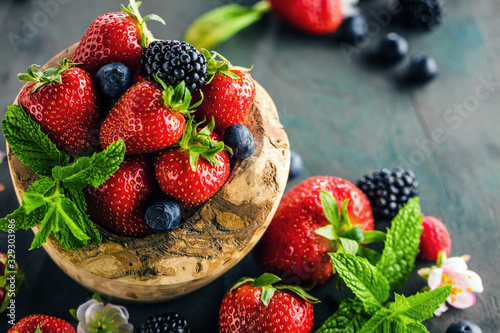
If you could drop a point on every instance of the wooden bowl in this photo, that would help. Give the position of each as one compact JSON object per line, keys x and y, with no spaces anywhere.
{"x":205,"y":246}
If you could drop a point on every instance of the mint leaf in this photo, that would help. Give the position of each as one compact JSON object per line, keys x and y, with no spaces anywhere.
{"x":377,"y":322}
{"x":401,"y":245}
{"x":93,"y":170}
{"x":29,"y":143}
{"x":371,"y":255}
{"x":220,"y":24}
{"x":365,"y":281}
{"x":421,"y":306}
{"x":349,"y":318}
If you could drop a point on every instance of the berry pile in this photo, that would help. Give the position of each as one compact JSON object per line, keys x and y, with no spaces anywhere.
{"x":170,"y":322}
{"x":160,"y":101}
{"x":423,"y":14}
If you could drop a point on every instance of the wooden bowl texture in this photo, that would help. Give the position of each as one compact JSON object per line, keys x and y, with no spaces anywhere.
{"x":214,"y":239}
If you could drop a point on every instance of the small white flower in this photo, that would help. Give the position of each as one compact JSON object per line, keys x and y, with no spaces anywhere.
{"x":454,"y":271}
{"x":94,"y":316}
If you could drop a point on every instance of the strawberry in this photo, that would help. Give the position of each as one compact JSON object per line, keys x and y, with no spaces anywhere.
{"x":293,"y":246}
{"x":115,"y":37}
{"x":186,"y":177}
{"x":118,"y":204}
{"x":435,"y":238}
{"x":11,"y":280}
{"x":311,"y":16}
{"x":148,"y":117}
{"x":256,"y":305}
{"x":46,"y":324}
{"x":63,"y":100}
{"x":227,"y":96}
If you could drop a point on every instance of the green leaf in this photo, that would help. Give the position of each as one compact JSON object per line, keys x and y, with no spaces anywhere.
{"x":372,"y":256}
{"x":349,"y":246}
{"x":376,"y":322}
{"x":330,"y":208}
{"x":21,"y":220}
{"x":421,"y":306}
{"x":29,"y":143}
{"x":365,"y":281}
{"x":32,"y":201}
{"x":266,"y":279}
{"x":327,"y":231}
{"x":267,"y":294}
{"x":97,"y":297}
{"x":222,"y":23}
{"x":414,"y":326}
{"x":93,"y":170}
{"x":355,"y":233}
{"x":349,"y":318}
{"x":401,"y":245}
{"x":373,"y":236}
{"x":300,"y":292}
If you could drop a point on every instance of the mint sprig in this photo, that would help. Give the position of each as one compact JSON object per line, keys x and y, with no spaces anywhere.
{"x":401,"y":245}
{"x":29,"y":143}
{"x":371,"y":280}
{"x":55,"y":201}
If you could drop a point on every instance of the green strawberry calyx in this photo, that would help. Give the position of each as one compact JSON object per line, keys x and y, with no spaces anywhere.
{"x":50,"y":75}
{"x":178,"y":98}
{"x":268,"y":282}
{"x":220,"y":66}
{"x":198,"y":143}
{"x":133,"y":10}
{"x":340,"y":229}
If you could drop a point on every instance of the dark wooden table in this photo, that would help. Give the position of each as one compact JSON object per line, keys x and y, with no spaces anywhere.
{"x":345,"y":117}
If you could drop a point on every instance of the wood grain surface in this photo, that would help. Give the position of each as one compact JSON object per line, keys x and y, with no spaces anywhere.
{"x":343,"y":114}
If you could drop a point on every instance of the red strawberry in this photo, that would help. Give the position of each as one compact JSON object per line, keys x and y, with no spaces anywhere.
{"x":63,"y":100}
{"x":46,"y":324}
{"x":147,"y":117}
{"x":11,"y":280}
{"x":435,"y":238}
{"x":281,"y":309}
{"x":114,"y":37}
{"x":291,"y":248}
{"x":227,"y":96}
{"x":311,"y":16}
{"x":186,"y":177}
{"x":118,"y":204}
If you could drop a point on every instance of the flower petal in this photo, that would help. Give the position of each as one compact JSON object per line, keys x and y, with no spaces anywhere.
{"x":462,"y":300}
{"x":80,"y":329}
{"x":94,"y":311}
{"x":442,"y":309}
{"x":82,"y":309}
{"x":127,"y":328}
{"x":435,"y":277}
{"x":454,"y":264}
{"x":471,"y":281}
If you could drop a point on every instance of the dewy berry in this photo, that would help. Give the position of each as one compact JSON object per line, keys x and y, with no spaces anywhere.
{"x":353,"y":29}
{"x":422,"y":68}
{"x":240,"y":140}
{"x":435,"y":238}
{"x":113,"y":80}
{"x":170,"y":322}
{"x":392,"y":48}
{"x":163,"y":215}
{"x":174,"y":61}
{"x":388,"y":190}
{"x":463,"y":326}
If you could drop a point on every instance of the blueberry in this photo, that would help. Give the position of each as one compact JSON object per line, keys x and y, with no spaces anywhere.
{"x":113,"y":80}
{"x":296,"y":165}
{"x":463,"y":326}
{"x":423,"y":68}
{"x":163,"y":215}
{"x":392,"y":49}
{"x":353,"y":29}
{"x":240,"y":140}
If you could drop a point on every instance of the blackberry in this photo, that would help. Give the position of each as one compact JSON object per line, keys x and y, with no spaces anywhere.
{"x":388,"y":190}
{"x":422,"y":14}
{"x":170,"y":322}
{"x":174,"y":61}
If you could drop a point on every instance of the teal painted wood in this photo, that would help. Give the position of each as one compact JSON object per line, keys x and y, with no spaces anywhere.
{"x":342,"y":114}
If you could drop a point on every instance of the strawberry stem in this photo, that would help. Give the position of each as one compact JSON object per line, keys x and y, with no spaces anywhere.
{"x":50,"y":75}
{"x":133,"y":10}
